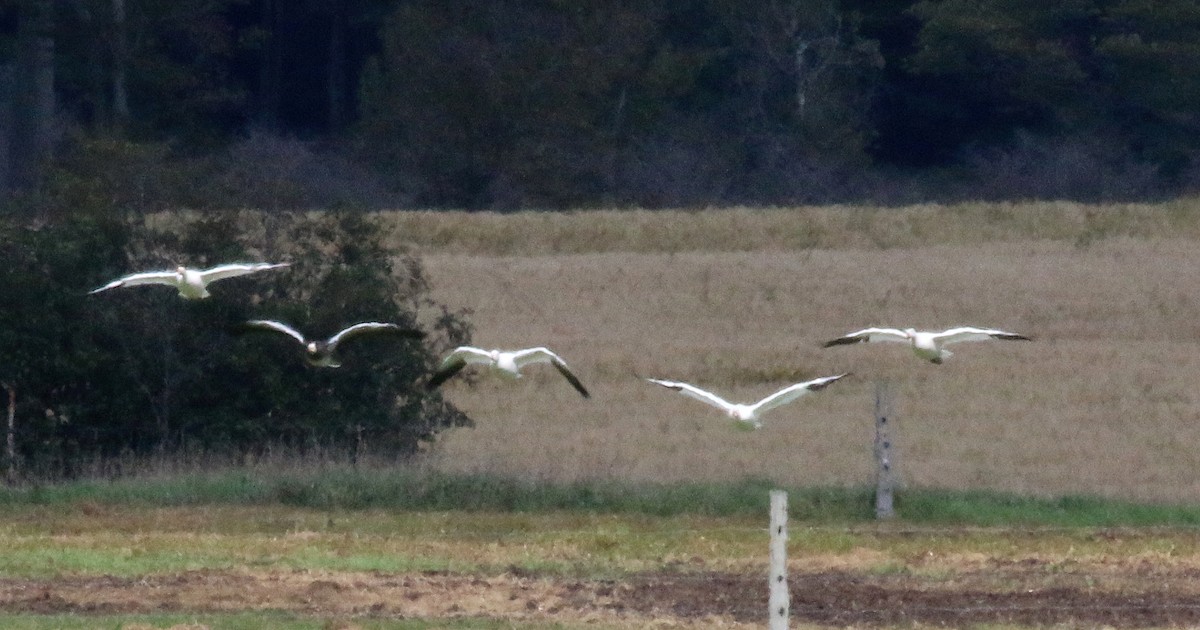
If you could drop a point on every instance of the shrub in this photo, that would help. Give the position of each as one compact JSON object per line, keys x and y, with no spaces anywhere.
{"x":138,"y":370}
{"x":1079,"y":169}
{"x":272,"y":172}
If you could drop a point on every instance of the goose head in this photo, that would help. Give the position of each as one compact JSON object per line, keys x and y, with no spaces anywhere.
{"x":743,"y":413}
{"x":744,"y":421}
{"x":319,"y":354}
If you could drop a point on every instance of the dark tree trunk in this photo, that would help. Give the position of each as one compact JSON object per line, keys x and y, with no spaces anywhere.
{"x":269,"y":68}
{"x":120,"y":53}
{"x":8,"y":90}
{"x":32,"y":133}
{"x":336,"y":76}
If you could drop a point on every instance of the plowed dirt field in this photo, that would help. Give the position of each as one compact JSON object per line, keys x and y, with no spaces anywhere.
{"x":697,"y":598}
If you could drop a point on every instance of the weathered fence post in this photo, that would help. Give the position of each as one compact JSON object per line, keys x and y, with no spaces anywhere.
{"x":360,"y":446}
{"x":778,"y":601}
{"x":885,"y":474}
{"x":10,"y":451}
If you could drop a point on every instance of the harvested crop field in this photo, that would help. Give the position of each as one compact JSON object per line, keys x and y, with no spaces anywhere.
{"x":1102,"y":402}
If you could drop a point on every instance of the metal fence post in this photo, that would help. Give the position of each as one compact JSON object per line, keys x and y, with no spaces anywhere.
{"x":779,"y":600}
{"x":885,"y":473}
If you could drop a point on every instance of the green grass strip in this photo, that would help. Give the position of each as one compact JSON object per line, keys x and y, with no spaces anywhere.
{"x":404,"y":489}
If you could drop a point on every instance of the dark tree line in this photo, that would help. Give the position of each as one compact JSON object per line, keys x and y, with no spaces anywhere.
{"x":546,"y":103}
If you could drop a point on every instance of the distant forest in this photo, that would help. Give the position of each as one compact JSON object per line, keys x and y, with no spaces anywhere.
{"x":564,"y":104}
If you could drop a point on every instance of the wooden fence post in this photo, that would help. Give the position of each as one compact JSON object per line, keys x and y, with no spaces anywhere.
{"x":779,"y":600}
{"x":885,"y":473}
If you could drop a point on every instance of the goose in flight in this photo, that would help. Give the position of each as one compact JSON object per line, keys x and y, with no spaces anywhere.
{"x":750,"y":414}
{"x":191,"y":283}
{"x":504,"y":363}
{"x":927,"y":345}
{"x":320,"y":353}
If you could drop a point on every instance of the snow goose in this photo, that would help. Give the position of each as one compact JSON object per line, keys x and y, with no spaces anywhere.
{"x":320,"y":353}
{"x":927,"y":345}
{"x":750,"y":414}
{"x":191,"y":283}
{"x":504,"y":363}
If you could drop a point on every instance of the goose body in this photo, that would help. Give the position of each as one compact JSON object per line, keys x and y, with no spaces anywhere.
{"x":506,"y":363}
{"x":321,"y":352}
{"x":750,"y":414}
{"x":192,"y":284}
{"x":927,"y":345}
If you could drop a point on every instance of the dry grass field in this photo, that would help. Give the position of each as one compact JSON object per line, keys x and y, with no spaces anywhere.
{"x":1103,"y":402}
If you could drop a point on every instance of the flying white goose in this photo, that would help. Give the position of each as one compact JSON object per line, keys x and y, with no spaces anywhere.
{"x":504,"y":363}
{"x":927,"y":345}
{"x":750,"y":414}
{"x":191,"y":283}
{"x":320,"y":353}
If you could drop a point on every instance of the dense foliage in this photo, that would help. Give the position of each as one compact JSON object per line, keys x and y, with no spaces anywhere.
{"x":548,"y":103}
{"x":140,"y":371}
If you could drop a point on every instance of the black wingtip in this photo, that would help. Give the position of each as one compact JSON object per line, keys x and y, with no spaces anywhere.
{"x":571,"y":378}
{"x":579,"y":386}
{"x":436,"y":380}
{"x":242,"y":328}
{"x":444,"y":374}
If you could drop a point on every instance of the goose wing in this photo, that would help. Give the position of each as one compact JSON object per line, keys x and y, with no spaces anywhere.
{"x":371,"y":327}
{"x":135,"y":279}
{"x":454,"y":363}
{"x":468,"y":354}
{"x":970,"y":333}
{"x":692,"y":391}
{"x":535,"y":355}
{"x":544,"y":355}
{"x":869,"y":335}
{"x":232,"y":270}
{"x":267,"y":324}
{"x":792,"y":392}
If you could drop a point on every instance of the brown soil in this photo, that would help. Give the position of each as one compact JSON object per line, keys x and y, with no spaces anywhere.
{"x":833,"y":598}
